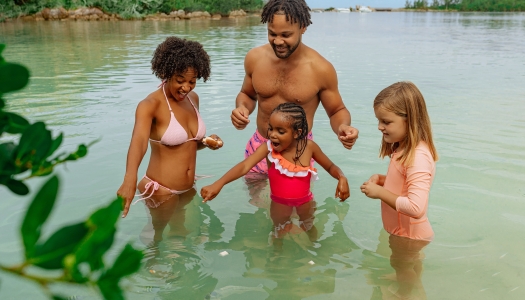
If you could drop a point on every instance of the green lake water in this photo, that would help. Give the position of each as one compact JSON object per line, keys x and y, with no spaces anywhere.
{"x":87,"y":78}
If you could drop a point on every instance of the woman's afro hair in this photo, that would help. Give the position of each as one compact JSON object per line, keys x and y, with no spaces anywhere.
{"x":176,"y":55}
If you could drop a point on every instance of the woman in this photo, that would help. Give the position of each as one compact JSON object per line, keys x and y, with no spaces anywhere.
{"x":170,"y":120}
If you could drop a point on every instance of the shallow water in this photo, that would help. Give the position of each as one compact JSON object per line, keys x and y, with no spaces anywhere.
{"x":87,"y":78}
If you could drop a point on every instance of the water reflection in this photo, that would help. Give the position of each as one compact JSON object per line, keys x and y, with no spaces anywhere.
{"x":395,"y":268}
{"x":295,"y":264}
{"x":174,"y":264}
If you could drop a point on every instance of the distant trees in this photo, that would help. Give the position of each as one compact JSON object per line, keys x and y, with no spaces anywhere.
{"x":468,"y":5}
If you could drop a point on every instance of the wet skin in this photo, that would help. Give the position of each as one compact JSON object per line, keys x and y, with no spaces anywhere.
{"x":286,"y":70}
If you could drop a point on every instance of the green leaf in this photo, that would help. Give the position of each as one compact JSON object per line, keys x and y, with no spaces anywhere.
{"x":4,"y":121}
{"x":37,"y":214}
{"x":81,"y":152}
{"x":2,"y":47}
{"x":107,"y":217}
{"x":55,"y":144}
{"x":102,"y":226}
{"x":7,"y":166}
{"x":17,"y":187}
{"x":51,"y":254}
{"x":110,"y":289}
{"x":127,"y":263}
{"x":13,"y":77}
{"x":57,"y":297}
{"x":33,"y":146}
{"x":16,"y":123}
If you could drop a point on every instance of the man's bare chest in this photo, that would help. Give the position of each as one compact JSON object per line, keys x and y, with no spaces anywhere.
{"x":291,"y":85}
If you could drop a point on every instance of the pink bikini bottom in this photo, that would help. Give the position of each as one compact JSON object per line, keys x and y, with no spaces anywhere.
{"x":155,"y":186}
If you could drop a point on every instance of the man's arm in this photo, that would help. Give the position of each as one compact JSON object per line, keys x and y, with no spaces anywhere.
{"x":336,"y":110}
{"x":246,"y":100}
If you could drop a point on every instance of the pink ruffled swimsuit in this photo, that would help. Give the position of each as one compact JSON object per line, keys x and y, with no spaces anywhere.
{"x":289,"y":183}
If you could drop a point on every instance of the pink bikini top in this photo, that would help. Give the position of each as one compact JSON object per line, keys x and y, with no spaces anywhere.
{"x":288,"y":180}
{"x":175,"y":134}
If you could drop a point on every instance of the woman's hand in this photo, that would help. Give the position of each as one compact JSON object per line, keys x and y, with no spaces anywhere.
{"x":213,"y":142}
{"x":127,"y":193}
{"x":209,"y":192}
{"x":343,"y":190}
{"x":371,"y":189}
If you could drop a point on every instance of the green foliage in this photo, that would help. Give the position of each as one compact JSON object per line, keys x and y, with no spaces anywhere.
{"x":492,"y":5}
{"x":34,"y":153}
{"x":129,"y":8}
{"x":78,"y":249}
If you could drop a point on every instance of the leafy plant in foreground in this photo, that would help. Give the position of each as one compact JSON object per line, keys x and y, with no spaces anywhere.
{"x":76,"y":250}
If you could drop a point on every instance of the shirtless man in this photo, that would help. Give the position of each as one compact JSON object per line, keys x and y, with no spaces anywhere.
{"x":286,"y":70}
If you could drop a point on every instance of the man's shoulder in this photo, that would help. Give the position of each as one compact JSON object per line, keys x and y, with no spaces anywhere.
{"x":318,"y":61}
{"x":258,"y":52}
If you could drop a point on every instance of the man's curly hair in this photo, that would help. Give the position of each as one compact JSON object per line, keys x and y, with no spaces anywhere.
{"x":176,"y":55}
{"x":296,"y":11}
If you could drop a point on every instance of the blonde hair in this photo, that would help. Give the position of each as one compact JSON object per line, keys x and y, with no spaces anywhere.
{"x":405,"y":100}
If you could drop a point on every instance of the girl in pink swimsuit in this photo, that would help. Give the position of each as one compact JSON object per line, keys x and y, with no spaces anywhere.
{"x":407,"y":140}
{"x":169,"y":120}
{"x":288,"y":153}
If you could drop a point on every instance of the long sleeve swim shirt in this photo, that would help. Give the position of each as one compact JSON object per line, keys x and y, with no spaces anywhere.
{"x":412,"y":184}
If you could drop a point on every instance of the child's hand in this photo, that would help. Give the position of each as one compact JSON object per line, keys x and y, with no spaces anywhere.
{"x":371,"y":189}
{"x":209,"y":192}
{"x":374,"y":179}
{"x":343,"y":190}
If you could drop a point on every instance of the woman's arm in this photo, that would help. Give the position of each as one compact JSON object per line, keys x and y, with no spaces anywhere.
{"x":137,"y":148}
{"x":343,"y":190}
{"x":211,"y":191}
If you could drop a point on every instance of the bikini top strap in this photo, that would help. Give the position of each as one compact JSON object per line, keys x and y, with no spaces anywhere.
{"x":189,"y":98}
{"x":163,"y":90}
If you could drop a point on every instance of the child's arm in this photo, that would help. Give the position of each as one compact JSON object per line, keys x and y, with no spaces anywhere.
{"x":418,"y":181}
{"x":211,"y":191}
{"x":376,"y":191}
{"x":343,"y":190}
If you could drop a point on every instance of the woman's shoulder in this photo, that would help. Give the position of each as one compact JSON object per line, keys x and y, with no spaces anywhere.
{"x":194,"y":97}
{"x":151,"y":102}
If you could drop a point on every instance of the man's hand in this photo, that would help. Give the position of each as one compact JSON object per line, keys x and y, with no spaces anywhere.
{"x":239,"y":117}
{"x":347,"y":135}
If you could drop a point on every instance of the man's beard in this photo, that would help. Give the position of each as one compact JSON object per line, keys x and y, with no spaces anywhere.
{"x":288,"y":53}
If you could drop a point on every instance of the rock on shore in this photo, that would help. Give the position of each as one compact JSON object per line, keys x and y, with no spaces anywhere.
{"x":96,"y":14}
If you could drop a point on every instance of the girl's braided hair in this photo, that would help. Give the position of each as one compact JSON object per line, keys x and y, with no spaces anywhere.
{"x":296,"y":11}
{"x":297,"y":117}
{"x":176,"y":55}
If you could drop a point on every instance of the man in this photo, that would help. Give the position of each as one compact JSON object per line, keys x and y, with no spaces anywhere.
{"x":286,"y":70}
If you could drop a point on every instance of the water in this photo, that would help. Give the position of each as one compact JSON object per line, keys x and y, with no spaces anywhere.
{"x":87,"y":78}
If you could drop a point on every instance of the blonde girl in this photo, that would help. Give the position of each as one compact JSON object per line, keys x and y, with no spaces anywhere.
{"x":407,"y":140}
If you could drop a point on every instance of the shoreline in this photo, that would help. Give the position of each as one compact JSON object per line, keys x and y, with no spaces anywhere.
{"x":96,"y":14}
